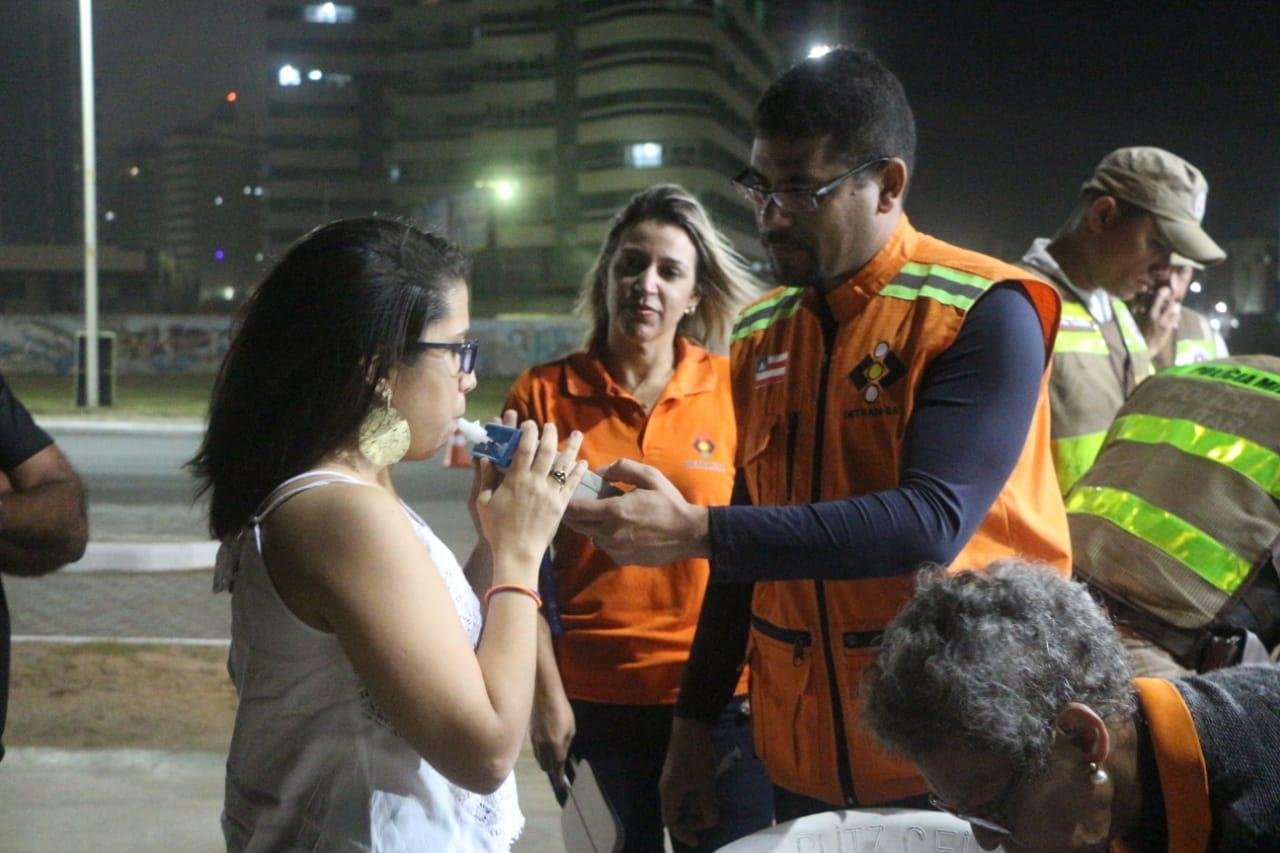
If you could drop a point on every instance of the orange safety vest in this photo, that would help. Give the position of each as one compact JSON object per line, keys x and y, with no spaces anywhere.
{"x":815,"y":426}
{"x":1184,"y":779}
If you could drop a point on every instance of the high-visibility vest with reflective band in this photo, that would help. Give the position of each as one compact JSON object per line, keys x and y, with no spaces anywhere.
{"x":815,"y":426}
{"x":1185,"y":494}
{"x":1084,"y":393}
{"x":1196,"y":340}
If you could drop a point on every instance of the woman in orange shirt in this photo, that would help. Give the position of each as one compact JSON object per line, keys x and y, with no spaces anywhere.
{"x":651,"y":386}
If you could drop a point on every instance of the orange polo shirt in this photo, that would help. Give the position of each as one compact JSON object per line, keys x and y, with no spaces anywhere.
{"x":628,"y":629}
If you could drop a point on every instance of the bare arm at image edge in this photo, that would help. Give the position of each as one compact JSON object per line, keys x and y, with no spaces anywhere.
{"x":43,"y":524}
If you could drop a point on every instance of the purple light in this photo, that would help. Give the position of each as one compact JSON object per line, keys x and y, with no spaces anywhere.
{"x":218,"y":254}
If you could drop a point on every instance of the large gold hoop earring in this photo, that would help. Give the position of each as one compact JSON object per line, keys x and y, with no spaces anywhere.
{"x":384,"y":433}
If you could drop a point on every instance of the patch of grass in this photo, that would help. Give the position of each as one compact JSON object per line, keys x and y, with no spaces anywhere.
{"x":486,"y":400}
{"x":183,"y":396}
{"x":170,"y":396}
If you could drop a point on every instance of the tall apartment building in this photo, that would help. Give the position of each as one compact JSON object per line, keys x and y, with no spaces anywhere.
{"x":519,"y":125}
{"x":130,"y":205}
{"x":211,"y":200}
{"x":531,"y":122}
{"x":326,"y":114}
{"x":40,"y":185}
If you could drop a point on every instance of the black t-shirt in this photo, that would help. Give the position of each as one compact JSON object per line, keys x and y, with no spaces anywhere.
{"x":20,"y":439}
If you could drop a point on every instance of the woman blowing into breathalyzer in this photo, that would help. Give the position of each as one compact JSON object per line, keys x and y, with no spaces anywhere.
{"x":372,"y":714}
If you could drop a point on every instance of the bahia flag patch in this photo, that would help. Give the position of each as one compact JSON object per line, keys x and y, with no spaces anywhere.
{"x":770,"y":369}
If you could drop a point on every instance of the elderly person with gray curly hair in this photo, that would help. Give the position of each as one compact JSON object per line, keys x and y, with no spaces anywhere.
{"x":1010,"y":691}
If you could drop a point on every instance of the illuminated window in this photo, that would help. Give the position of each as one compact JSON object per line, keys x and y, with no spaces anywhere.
{"x":644,"y":155}
{"x":289,"y":76}
{"x":328,"y":13}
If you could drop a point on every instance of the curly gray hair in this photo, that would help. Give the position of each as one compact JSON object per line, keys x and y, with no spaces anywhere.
{"x":987,"y":660}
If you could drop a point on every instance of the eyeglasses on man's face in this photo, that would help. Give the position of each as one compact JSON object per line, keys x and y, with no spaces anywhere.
{"x":465,"y":351}
{"x":992,"y":817}
{"x":797,"y":200}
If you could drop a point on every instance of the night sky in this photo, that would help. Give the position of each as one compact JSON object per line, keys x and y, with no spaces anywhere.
{"x":1015,"y":102}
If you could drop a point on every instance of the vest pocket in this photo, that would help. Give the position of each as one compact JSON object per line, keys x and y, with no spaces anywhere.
{"x":878,"y":775}
{"x":789,"y":725}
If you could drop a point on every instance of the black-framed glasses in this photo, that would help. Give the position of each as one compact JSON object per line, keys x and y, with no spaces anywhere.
{"x":992,"y":816}
{"x":796,"y":201}
{"x":466,"y":351}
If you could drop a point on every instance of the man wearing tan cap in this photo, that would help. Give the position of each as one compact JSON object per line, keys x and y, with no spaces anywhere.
{"x":1176,"y":334}
{"x":1140,"y":206}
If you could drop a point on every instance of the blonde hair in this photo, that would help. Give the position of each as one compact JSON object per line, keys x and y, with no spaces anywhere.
{"x":724,"y":281}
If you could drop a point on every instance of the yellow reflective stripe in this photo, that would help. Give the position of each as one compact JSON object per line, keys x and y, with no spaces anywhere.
{"x":1253,"y":378}
{"x":1073,"y":456}
{"x":1195,"y":350}
{"x":1076,"y":316}
{"x":1246,"y":458}
{"x":767,"y":313}
{"x":1090,"y":342}
{"x":1129,"y":330}
{"x":958,"y":276}
{"x":1181,"y":540}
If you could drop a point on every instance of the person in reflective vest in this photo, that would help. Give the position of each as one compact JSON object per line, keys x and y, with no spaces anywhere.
{"x":1141,"y":205}
{"x":1176,"y":334}
{"x":1177,"y":524}
{"x":893,"y":409}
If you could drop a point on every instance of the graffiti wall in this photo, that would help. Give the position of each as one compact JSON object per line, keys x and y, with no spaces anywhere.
{"x":167,"y":343}
{"x":509,"y":346}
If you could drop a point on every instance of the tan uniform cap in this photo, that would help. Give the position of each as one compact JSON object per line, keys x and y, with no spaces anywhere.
{"x":1169,"y":188}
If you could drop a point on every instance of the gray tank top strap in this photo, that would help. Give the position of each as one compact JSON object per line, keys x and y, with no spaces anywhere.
{"x":227,"y":563}
{"x":282,"y":493}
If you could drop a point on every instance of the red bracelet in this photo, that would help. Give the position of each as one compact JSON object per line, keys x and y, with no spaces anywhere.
{"x":513,"y":587}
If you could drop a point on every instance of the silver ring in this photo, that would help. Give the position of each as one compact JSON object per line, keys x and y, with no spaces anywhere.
{"x":559,"y":476}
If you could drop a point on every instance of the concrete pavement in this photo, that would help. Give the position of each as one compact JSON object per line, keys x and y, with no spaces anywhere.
{"x":107,"y":800}
{"x":126,"y":800}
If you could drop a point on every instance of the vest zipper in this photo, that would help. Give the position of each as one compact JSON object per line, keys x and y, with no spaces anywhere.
{"x":833,"y":685}
{"x":798,"y":640}
{"x":793,"y":426}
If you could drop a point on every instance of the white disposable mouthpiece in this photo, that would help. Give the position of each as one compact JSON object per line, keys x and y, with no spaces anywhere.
{"x":472,"y":431}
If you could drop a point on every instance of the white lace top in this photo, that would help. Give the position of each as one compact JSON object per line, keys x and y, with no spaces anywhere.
{"x":313,"y":763}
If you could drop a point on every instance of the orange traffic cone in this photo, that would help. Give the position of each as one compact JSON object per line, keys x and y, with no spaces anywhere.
{"x":457,"y":456}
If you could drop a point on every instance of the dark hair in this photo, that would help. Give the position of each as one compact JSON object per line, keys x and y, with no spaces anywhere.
{"x":845,"y":94}
{"x":311,"y":344}
{"x":724,"y":280}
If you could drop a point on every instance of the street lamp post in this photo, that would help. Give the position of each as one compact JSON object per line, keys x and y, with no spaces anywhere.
{"x":503,"y":192}
{"x":90,"y":174}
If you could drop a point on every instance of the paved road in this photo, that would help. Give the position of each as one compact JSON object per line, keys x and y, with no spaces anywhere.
{"x":138,"y":489}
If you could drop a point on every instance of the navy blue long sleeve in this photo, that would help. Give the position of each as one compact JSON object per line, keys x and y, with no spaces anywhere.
{"x":972,"y":414}
{"x":970,"y":423}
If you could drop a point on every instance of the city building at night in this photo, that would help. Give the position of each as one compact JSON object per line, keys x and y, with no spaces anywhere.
{"x":517,"y":127}
{"x":524,"y":126}
{"x":326,"y":155}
